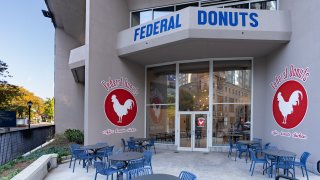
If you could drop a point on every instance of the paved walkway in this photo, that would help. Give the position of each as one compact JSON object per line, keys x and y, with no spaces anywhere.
{"x":207,"y":166}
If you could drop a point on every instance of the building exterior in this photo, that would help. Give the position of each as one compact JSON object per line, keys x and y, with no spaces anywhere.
{"x":186,"y":72}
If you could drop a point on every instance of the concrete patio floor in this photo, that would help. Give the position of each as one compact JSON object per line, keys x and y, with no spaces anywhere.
{"x":207,"y":166}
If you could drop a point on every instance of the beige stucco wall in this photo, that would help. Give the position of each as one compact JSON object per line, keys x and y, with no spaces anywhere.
{"x":106,"y":19}
{"x":69,"y":95}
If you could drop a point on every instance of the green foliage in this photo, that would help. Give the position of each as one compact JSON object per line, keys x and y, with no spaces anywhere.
{"x":12,"y":170}
{"x":3,"y":72}
{"x":7,"y":94}
{"x":49,"y":108}
{"x":74,"y":135}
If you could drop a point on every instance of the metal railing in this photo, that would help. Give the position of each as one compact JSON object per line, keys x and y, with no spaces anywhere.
{"x":16,"y":143}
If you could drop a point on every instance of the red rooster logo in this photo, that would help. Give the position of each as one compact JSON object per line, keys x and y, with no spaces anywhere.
{"x":121,"y":110}
{"x":286,"y":107}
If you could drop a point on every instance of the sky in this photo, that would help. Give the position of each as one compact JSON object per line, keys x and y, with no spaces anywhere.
{"x":27,"y":45}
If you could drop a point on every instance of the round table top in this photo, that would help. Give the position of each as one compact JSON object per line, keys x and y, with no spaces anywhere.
{"x":279,"y":153}
{"x":248,"y":142}
{"x":157,"y":177}
{"x":126,"y":156}
{"x":94,"y":146}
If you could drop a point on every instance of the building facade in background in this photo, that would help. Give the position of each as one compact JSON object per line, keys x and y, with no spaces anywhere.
{"x":191,"y":74}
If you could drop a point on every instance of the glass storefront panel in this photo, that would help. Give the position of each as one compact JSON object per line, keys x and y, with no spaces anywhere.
{"x":268,"y":5}
{"x":185,"y":130}
{"x":194,"y":86}
{"x":231,"y":100}
{"x":160,"y":121}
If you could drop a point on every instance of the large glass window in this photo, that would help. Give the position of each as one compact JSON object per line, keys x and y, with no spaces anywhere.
{"x":231,"y":101}
{"x":268,"y":5}
{"x":160,"y":107}
{"x":194,"y":86}
{"x":140,"y":17}
{"x":159,"y":12}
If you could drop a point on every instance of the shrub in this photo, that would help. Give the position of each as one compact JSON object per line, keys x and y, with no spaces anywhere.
{"x":74,"y":135}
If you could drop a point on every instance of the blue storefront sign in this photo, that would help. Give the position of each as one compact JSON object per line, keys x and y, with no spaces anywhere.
{"x":211,"y":18}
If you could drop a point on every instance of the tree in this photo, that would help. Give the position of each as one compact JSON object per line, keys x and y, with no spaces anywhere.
{"x":4,"y":72}
{"x":7,"y":91}
{"x":49,"y":108}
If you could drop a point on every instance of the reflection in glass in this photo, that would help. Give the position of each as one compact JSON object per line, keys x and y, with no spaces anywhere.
{"x":194,"y":86}
{"x":268,"y":5}
{"x":231,"y":100}
{"x":160,"y":120}
{"x":185,"y":130}
{"x":161,"y":123}
{"x":200,"y":131}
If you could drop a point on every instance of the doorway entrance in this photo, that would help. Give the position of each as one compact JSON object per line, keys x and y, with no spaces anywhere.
{"x":193,"y":131}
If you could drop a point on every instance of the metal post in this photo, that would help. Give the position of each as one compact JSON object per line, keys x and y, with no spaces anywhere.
{"x":29,"y":117}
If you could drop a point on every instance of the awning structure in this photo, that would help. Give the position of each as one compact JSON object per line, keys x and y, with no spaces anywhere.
{"x":197,"y":32}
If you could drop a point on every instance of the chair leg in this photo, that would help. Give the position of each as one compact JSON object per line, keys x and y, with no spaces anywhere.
{"x":154,"y":147}
{"x":95,"y":177}
{"x":302,"y":171}
{"x":254,"y":164}
{"x":251,"y":166}
{"x":306,"y":173}
{"x":74,"y":164}
{"x":70,"y":161}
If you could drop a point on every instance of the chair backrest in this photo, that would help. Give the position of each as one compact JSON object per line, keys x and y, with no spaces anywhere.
{"x":287,"y":162}
{"x":185,"y":175}
{"x":131,"y":138}
{"x":147,"y":155}
{"x":252,"y":155}
{"x":241,"y":146}
{"x":266,"y":145}
{"x":151,"y":141}
{"x":304,"y":157}
{"x":74,"y":146}
{"x":140,"y":172}
{"x":131,"y":144}
{"x":108,"y":151}
{"x":135,"y":164}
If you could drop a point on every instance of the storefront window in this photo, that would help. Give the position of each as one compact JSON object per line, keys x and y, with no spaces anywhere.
{"x":229,"y":107}
{"x":194,"y":86}
{"x":159,"y":12}
{"x":160,"y":107}
{"x":140,"y":17}
{"x":268,"y":5}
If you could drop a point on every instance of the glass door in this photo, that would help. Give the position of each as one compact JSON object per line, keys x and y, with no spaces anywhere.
{"x":193,"y":131}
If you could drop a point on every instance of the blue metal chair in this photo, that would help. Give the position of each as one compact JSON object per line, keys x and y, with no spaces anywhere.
{"x":258,"y":146}
{"x":231,"y":146}
{"x":84,"y":156}
{"x":150,"y":144}
{"x":74,"y":153}
{"x":287,"y":164}
{"x":241,"y":149}
{"x":104,"y":153}
{"x":147,"y":155}
{"x":104,"y":169}
{"x":124,"y":144}
{"x":133,"y":164}
{"x":140,"y":172}
{"x":255,"y":160}
{"x":185,"y":175}
{"x":132,"y":146}
{"x":303,"y":163}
